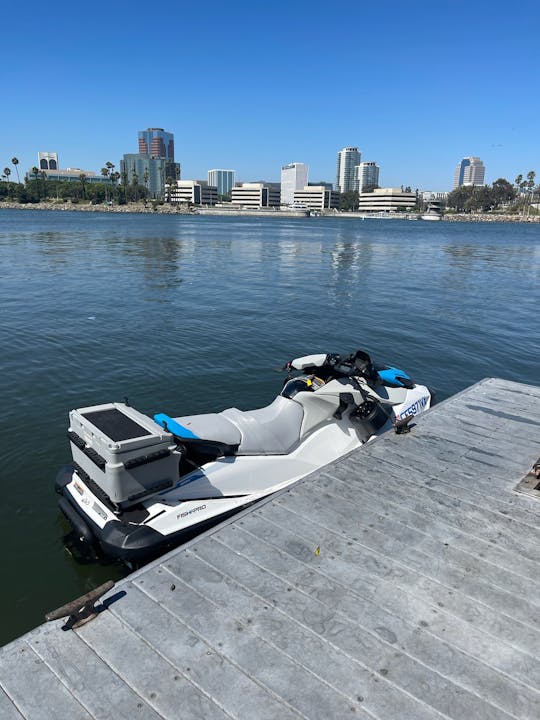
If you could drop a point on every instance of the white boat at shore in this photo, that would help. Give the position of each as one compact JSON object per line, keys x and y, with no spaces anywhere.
{"x":433,"y":211}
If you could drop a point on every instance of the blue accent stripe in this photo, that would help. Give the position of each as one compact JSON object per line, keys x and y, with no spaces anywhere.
{"x":173,"y":427}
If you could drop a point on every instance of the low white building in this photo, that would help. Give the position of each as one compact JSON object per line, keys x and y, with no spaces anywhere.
{"x":386,"y":200}
{"x":255,"y":195}
{"x":316,"y":197}
{"x":194,"y":192}
{"x":428,"y":195}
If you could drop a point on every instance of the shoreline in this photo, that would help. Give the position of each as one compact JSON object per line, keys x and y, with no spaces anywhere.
{"x":224,"y":212}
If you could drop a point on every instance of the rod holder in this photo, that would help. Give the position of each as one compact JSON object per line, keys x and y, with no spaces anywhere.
{"x":402,"y":426}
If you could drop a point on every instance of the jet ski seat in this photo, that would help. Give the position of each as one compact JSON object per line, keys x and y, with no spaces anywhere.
{"x":272,"y":430}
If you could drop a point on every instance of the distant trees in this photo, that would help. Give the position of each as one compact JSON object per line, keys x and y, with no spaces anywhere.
{"x":503,"y":192}
{"x":526,"y":191}
{"x":349,"y":200}
{"x":481,"y":198}
{"x":38,"y":186}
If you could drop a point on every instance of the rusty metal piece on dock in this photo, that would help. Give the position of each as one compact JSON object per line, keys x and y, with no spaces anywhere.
{"x":81,"y":610}
{"x":402,"y":426}
{"x":530,"y":484}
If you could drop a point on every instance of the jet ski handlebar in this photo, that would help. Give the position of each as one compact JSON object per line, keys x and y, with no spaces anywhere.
{"x":357,"y":364}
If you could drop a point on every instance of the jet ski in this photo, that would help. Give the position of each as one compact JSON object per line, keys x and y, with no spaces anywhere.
{"x":139,"y":486}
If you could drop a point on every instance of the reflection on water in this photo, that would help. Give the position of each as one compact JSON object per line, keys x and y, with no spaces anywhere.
{"x":190,"y":314}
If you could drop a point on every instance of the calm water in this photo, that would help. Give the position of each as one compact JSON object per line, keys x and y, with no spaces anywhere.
{"x":187,"y":315}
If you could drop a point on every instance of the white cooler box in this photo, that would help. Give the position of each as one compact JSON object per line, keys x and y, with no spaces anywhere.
{"x":126,"y":453}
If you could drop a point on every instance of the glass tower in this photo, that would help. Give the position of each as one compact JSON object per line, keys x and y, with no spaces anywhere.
{"x":222,"y":179}
{"x":151,"y":172}
{"x":156,"y":143}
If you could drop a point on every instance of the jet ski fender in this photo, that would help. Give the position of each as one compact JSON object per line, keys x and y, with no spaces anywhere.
{"x":308,"y":361}
{"x":393,"y":377}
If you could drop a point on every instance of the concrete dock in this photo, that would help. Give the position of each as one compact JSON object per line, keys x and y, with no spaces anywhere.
{"x":399,"y":583}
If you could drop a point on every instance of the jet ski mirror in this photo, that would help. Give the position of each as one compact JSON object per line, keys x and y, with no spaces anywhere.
{"x":363,"y":364}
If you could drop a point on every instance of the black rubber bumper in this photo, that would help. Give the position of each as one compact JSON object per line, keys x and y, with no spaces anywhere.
{"x":131,"y":543}
{"x":80,"y":526}
{"x":116,"y":540}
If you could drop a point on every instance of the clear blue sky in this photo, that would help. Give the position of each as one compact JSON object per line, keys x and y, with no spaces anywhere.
{"x":252,"y":85}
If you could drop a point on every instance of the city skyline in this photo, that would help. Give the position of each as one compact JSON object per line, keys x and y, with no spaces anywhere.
{"x":418,"y":105}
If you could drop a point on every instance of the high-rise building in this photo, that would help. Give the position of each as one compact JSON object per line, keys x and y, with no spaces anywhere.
{"x":154,"y":164}
{"x":470,"y":171}
{"x":222,"y":179}
{"x":156,"y":143}
{"x":293,"y":177}
{"x":347,"y":160}
{"x":151,"y":172}
{"x":366,"y":176}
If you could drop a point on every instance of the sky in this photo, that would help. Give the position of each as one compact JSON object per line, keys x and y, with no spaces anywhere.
{"x":251,"y":86}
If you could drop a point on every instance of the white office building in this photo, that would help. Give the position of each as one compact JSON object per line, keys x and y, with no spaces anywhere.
{"x":255,"y":195}
{"x":48,"y":161}
{"x":347,"y":160}
{"x":316,"y":197}
{"x":194,"y":192}
{"x":222,"y":179}
{"x":386,"y":200}
{"x":470,"y":171}
{"x":366,"y":176}
{"x":434,"y":195}
{"x":293,"y":177}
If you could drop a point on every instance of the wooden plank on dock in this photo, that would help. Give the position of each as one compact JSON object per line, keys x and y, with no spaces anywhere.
{"x":402,"y":581}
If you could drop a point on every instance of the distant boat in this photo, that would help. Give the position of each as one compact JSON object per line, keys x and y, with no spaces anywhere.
{"x":433,"y":211}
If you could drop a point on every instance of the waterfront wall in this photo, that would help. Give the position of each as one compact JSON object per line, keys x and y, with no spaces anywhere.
{"x":252,"y":212}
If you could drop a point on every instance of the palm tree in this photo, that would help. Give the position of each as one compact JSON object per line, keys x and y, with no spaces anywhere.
{"x":146,"y":177}
{"x":15,"y":162}
{"x":170,"y":183}
{"x":7,"y":173}
{"x":124,"y":181}
{"x":521,"y":184}
{"x":82,"y":178}
{"x":43,"y":176}
{"x":35,"y":173}
{"x":115,"y":177}
{"x":135,"y":181}
{"x":105,"y":173}
{"x":530,"y":187}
